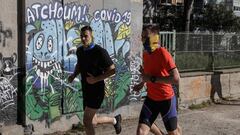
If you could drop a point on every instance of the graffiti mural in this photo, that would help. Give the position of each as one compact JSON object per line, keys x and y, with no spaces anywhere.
{"x":8,"y":88}
{"x":53,"y":37}
{"x":7,"y":93}
{"x":4,"y":34}
{"x":135,"y":64}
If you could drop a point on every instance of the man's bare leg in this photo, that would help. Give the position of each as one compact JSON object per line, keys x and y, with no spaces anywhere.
{"x":90,"y":120}
{"x":142,"y":129}
{"x":103,"y":120}
{"x":177,"y":131}
{"x":155,"y":130}
{"x":88,"y":116}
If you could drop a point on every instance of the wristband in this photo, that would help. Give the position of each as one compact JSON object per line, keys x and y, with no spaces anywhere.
{"x":153,"y":79}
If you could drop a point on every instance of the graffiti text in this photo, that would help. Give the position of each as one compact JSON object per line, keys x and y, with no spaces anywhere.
{"x":57,"y":11}
{"x":7,"y":93}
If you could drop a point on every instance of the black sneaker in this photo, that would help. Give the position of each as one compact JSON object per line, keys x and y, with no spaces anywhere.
{"x":117,"y":126}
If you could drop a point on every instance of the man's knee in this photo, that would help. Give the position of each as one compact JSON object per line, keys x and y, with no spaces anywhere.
{"x":142,"y":130}
{"x":94,"y":121}
{"x":87,"y":121}
{"x":175,"y":132}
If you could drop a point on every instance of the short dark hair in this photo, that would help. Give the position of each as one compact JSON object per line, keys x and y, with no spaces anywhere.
{"x":152,"y":28}
{"x":85,"y":28}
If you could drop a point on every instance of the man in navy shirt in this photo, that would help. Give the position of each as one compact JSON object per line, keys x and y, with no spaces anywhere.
{"x":94,"y":64}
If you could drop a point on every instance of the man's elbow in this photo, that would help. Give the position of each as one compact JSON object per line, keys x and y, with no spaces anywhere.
{"x":176,"y":80}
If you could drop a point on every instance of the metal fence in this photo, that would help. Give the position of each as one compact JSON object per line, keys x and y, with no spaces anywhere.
{"x":203,"y":51}
{"x":207,"y":51}
{"x":168,"y":40}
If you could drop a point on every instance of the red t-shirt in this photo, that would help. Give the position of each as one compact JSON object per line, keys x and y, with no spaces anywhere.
{"x":158,"y":63}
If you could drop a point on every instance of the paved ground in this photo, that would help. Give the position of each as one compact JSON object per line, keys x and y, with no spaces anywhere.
{"x":217,"y":119}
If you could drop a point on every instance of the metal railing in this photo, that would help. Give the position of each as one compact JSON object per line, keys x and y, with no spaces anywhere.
{"x":202,"y":51}
{"x":168,"y":40}
{"x":207,"y":52}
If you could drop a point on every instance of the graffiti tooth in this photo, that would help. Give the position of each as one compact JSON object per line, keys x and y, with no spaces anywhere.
{"x":51,"y":71}
{"x":45,"y":75}
{"x":38,"y":72}
{"x":41,"y":64}
{"x":41,"y":74}
{"x":44,"y":64}
{"x":48,"y":63}
{"x":59,"y":67}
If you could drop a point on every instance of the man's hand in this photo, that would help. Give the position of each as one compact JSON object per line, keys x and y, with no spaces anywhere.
{"x":91,"y":79}
{"x":71,"y":78}
{"x":138,"y":87}
{"x":144,"y":76}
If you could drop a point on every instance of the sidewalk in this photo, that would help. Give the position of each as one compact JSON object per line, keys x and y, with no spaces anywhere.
{"x":217,"y":119}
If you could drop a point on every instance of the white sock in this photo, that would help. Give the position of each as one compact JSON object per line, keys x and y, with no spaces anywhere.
{"x":114,"y":121}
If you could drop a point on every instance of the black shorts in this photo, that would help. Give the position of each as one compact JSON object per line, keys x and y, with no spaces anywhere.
{"x":93,"y":96}
{"x":167,"y":108}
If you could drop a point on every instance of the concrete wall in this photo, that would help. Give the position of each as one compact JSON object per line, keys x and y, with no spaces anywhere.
{"x":52,"y":35}
{"x":8,"y":62}
{"x":198,"y":87}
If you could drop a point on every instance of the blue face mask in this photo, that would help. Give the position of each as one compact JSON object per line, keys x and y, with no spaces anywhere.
{"x":89,"y":47}
{"x":147,"y":46}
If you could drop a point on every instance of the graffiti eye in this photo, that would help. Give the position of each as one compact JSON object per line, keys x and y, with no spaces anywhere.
{"x":50,"y":44}
{"x":39,"y":42}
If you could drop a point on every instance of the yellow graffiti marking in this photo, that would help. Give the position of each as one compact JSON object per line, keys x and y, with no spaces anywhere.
{"x":68,"y":25}
{"x":124,"y":32}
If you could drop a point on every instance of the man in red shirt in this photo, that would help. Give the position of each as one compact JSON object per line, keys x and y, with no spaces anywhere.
{"x":159,"y":72}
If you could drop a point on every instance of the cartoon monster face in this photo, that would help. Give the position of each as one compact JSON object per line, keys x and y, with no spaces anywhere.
{"x":8,"y":64}
{"x":45,"y":49}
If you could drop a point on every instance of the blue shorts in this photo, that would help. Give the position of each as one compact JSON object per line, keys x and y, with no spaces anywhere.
{"x":167,"y":108}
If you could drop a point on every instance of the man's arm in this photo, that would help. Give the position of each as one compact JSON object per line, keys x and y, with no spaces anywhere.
{"x":75,"y":73}
{"x":109,"y":72}
{"x":76,"y":70}
{"x":173,"y":77}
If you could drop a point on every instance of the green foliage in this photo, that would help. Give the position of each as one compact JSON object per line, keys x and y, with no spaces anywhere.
{"x":192,"y":61}
{"x":37,"y":24}
{"x":72,"y":101}
{"x":117,"y":87}
{"x":122,"y":88}
{"x":203,"y":61}
{"x":122,"y":81}
{"x":199,"y":106}
{"x":226,"y":60}
{"x":218,"y":17}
